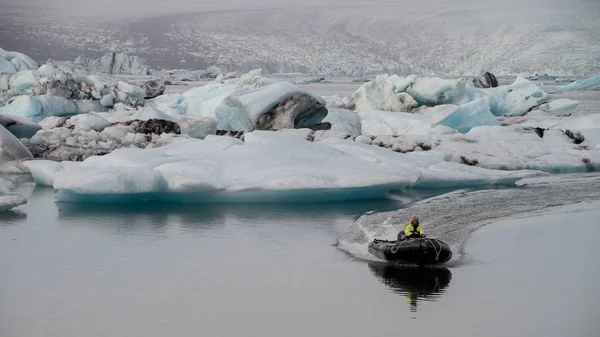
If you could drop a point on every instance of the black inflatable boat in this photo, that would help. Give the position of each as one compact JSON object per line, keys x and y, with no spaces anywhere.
{"x":418,"y":251}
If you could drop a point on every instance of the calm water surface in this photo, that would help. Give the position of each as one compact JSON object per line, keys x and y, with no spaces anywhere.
{"x":166,"y":270}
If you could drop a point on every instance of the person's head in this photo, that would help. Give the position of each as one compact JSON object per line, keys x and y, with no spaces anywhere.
{"x":415,"y":220}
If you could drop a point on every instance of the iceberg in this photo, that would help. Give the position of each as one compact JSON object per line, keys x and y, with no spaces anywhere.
{"x":557,"y":107}
{"x":520,"y":148}
{"x":515,"y":99}
{"x":23,"y":81}
{"x":266,"y":167}
{"x":251,"y":103}
{"x":398,"y":123}
{"x":18,"y":126}
{"x":12,"y":62}
{"x":590,"y":83}
{"x":198,"y":127}
{"x":6,"y":186}
{"x":343,"y":121}
{"x":382,"y":94}
{"x":36,"y":108}
{"x":150,"y":112}
{"x":43,"y":171}
{"x":8,"y":202}
{"x":465,"y":117}
{"x":113,"y":63}
{"x":11,"y":152}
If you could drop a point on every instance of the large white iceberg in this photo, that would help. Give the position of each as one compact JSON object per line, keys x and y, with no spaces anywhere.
{"x":390,"y":93}
{"x":251,"y":103}
{"x":267,"y":167}
{"x":113,"y":63}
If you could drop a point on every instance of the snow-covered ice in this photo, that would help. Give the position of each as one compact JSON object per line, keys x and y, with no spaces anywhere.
{"x":405,"y":94}
{"x":8,"y":202}
{"x":267,"y":166}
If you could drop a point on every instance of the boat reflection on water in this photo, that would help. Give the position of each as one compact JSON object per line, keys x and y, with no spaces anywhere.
{"x":416,"y":284}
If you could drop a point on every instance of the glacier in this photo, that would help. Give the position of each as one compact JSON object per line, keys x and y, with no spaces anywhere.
{"x":114,"y":63}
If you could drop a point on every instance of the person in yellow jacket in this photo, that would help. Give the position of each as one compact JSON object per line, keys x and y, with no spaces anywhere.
{"x":412,"y":230}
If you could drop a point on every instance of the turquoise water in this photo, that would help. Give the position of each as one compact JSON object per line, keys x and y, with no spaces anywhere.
{"x":256,"y":270}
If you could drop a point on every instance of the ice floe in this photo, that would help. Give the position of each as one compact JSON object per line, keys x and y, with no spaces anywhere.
{"x":7,"y":199}
{"x":267,"y":166}
{"x":590,"y":83}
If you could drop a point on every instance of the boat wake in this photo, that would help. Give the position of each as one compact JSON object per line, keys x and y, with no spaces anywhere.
{"x":454,"y":216}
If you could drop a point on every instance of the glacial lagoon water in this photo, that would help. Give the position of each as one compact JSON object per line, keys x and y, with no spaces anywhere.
{"x":275,"y":270}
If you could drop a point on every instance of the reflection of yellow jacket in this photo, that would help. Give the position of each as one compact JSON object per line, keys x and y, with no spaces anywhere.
{"x":410,"y":229}
{"x":412,"y":301}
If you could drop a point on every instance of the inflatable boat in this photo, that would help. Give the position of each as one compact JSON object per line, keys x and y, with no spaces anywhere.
{"x":419,"y":251}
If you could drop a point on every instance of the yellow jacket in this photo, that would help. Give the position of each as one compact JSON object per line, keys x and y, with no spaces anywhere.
{"x":410,"y":229}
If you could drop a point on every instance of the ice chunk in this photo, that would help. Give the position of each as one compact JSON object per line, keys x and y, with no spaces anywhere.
{"x":232,"y":114}
{"x":275,"y":106}
{"x":591,"y":121}
{"x":381,"y":94}
{"x":107,"y":100}
{"x":466,"y":116}
{"x":150,"y":112}
{"x":516,"y":148}
{"x":39,"y":107}
{"x":512,"y":100}
{"x":8,"y":202}
{"x":515,"y":99}
{"x":18,"y":126}
{"x":11,"y":150}
{"x":343,"y":121}
{"x":153,"y":88}
{"x":198,"y":127}
{"x":6,"y":186}
{"x":4,"y":80}
{"x":43,"y":171}
{"x":87,"y":122}
{"x":397,"y":123}
{"x":46,"y":70}
{"x":23,"y":81}
{"x":590,"y":83}
{"x":6,"y":67}
{"x":132,"y":90}
{"x":20,"y":62}
{"x":558,"y":107}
